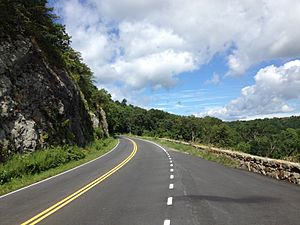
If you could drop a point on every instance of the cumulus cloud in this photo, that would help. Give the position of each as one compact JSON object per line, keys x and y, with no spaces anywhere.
{"x":157,"y":69}
{"x":274,"y":90}
{"x":150,"y":42}
{"x":90,"y":36}
{"x":140,"y":39}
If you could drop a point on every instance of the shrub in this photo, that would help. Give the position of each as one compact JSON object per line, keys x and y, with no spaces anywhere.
{"x":38,"y":162}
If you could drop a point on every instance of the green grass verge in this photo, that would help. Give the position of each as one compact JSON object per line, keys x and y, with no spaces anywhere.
{"x":204,"y":154}
{"x":23,"y":170}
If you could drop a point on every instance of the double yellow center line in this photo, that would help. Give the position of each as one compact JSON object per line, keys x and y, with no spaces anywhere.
{"x":39,"y":217}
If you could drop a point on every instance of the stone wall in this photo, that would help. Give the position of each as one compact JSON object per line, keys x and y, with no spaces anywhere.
{"x":278,"y":169}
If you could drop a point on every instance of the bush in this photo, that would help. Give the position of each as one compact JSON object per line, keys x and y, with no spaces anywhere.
{"x":98,"y":133}
{"x":38,"y":162}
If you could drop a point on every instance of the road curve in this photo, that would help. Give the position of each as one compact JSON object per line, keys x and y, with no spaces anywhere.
{"x":157,"y":187}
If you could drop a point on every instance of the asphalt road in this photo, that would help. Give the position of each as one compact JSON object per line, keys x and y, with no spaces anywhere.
{"x":155,"y":187}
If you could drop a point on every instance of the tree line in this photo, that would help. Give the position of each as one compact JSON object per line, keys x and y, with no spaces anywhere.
{"x":275,"y":138}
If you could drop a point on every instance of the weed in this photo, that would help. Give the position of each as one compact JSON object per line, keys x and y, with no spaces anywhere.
{"x":22,"y":170}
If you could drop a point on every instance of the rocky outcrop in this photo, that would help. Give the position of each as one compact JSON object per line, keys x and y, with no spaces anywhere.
{"x":39,"y":103}
{"x":278,"y":169}
{"x":103,"y":122}
{"x":99,"y":121}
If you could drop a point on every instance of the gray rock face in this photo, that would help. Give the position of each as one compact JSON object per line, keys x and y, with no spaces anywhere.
{"x":39,"y":103}
{"x":95,"y":120}
{"x":103,"y":121}
{"x":24,"y":133}
{"x":99,"y":120}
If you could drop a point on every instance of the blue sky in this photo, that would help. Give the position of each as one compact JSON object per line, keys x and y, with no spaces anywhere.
{"x":228,"y":59}
{"x":195,"y":92}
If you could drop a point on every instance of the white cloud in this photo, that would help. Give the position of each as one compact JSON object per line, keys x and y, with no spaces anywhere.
{"x":215,"y":79}
{"x":130,"y":95}
{"x":90,"y":36}
{"x":156,"y":70}
{"x":150,"y":42}
{"x":130,"y":10}
{"x":273,"y":92}
{"x":237,"y":64}
{"x":140,"y":39}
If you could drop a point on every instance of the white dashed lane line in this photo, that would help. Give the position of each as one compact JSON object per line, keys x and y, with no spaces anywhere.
{"x":171,"y":186}
{"x":170,"y":201}
{"x":167,"y":222}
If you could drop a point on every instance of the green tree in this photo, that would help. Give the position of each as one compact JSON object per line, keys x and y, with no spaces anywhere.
{"x":290,"y":142}
{"x":222,"y":135}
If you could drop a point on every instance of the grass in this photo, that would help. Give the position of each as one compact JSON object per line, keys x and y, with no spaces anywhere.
{"x":23,"y":170}
{"x":202,"y":153}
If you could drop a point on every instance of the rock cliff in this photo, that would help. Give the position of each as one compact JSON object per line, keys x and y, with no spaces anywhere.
{"x":99,"y":121}
{"x":39,"y":103}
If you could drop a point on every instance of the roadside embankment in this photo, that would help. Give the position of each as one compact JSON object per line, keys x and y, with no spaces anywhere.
{"x":23,"y":170}
{"x":278,"y":169}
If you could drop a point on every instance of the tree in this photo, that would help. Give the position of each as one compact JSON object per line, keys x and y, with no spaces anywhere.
{"x":222,"y":135}
{"x":290,"y":142}
{"x":124,"y":102}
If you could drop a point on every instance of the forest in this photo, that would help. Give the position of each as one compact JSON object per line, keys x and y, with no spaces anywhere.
{"x":276,"y":138}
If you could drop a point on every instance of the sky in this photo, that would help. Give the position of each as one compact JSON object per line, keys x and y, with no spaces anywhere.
{"x":235,"y":60}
